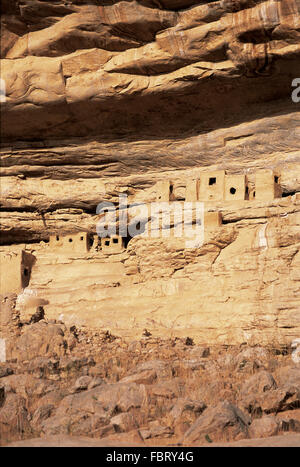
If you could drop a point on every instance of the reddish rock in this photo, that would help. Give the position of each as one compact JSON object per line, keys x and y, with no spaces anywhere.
{"x":263,"y":427}
{"x":223,"y":422}
{"x":40,"y":340}
{"x":14,"y":423}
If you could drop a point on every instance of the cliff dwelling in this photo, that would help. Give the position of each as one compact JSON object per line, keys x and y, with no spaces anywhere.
{"x":113,"y":244}
{"x":220,"y":186}
{"x":165,"y":191}
{"x":267,"y":185}
{"x":212,"y":186}
{"x":150,"y":224}
{"x":79,"y":242}
{"x":15,"y":271}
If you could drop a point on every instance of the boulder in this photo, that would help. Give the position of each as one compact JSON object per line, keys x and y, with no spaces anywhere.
{"x":254,"y":388}
{"x":14,"y":422}
{"x":161,"y":368}
{"x":265,"y":426}
{"x":261,"y":394}
{"x":90,"y":411}
{"x":5,"y":370}
{"x":82,"y":383}
{"x":156,"y":430}
{"x":223,"y":422}
{"x":41,"y":414}
{"x":123,"y":422}
{"x":40,"y":340}
{"x":143,"y":377}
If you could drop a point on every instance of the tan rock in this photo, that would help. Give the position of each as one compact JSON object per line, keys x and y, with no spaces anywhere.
{"x":225,"y":421}
{"x":46,"y":340}
{"x":14,"y":422}
{"x":119,"y":98}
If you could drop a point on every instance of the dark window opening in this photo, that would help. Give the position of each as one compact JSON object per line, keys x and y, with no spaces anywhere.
{"x":25,"y":277}
{"x":253,"y":194}
{"x":115,"y":240}
{"x":57,"y":237}
{"x":70,"y":240}
{"x":212,"y":181}
{"x":247,"y":190}
{"x":106,"y":242}
{"x":232,"y":191}
{"x":91,"y":241}
{"x":276,"y":179}
{"x":126,"y":240}
{"x":81,"y":238}
{"x":171,"y":189}
{"x":139,"y":228}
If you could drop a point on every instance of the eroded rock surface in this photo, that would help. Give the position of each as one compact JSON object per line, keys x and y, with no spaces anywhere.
{"x":240,"y":286}
{"x":146,"y":394}
{"x":103,"y":100}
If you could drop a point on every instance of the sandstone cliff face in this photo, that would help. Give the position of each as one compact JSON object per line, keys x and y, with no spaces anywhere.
{"x":110,"y":97}
{"x":73,"y":68}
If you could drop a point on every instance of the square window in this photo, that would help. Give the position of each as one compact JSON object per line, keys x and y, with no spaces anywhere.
{"x":115,"y":240}
{"x":212,"y":181}
{"x":106,"y":242}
